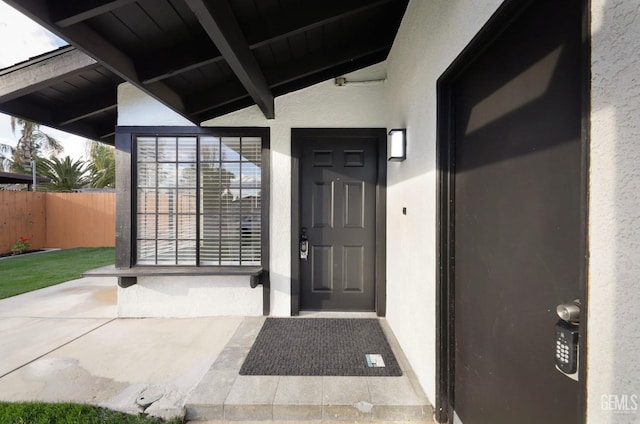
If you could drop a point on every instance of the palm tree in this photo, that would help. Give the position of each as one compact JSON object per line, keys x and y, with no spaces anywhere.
{"x":6,"y":157}
{"x":31,"y":143}
{"x":66,"y":175}
{"x":102,"y":167}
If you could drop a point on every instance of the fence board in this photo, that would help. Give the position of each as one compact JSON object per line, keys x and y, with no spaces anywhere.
{"x":22,"y":214}
{"x":80,"y":220}
{"x":62,"y":220}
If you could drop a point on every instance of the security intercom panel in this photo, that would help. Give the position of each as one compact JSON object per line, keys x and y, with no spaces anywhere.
{"x":566,"y":347}
{"x":567,"y":337}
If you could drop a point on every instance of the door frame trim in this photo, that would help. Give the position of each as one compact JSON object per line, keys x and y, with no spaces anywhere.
{"x":298,"y":135}
{"x":445,"y":206}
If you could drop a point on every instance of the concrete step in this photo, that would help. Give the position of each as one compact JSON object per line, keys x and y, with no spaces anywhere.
{"x":223,"y":395}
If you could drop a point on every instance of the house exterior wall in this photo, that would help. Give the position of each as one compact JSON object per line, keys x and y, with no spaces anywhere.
{"x":432,"y":34}
{"x":614,"y":212}
{"x":324,"y":105}
{"x":180,"y":295}
{"x":189,"y":296}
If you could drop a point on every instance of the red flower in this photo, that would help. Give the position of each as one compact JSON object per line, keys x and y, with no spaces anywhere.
{"x":24,"y":239}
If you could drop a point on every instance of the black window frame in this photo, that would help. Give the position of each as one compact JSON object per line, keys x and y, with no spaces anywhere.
{"x":126,"y":173}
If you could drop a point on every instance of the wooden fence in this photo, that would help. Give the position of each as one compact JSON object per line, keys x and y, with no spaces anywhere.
{"x":63,"y":220}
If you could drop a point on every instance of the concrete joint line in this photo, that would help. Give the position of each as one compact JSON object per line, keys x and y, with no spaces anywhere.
{"x":53,"y":350}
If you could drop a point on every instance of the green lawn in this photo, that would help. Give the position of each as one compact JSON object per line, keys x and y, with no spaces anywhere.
{"x":24,"y":273}
{"x":68,"y":413}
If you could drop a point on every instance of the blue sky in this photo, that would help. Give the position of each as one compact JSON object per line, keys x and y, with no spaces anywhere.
{"x":20,"y":39}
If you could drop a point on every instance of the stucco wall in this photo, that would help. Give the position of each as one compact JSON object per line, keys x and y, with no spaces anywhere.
{"x":324,"y":105}
{"x":179,"y":296}
{"x":431,"y":35}
{"x":195,"y":296}
{"x":614,"y":212}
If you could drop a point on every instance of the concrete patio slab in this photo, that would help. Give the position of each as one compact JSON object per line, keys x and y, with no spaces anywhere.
{"x":26,"y":339}
{"x":63,"y":343}
{"x":93,"y":297}
{"x":225,"y":396}
{"x":298,"y":398}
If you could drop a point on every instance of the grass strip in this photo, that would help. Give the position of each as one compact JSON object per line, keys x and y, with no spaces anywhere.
{"x":69,"y":413}
{"x":23,"y":273}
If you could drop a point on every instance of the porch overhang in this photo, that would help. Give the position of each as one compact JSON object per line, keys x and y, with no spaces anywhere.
{"x":63,"y":89}
{"x":200,"y":58}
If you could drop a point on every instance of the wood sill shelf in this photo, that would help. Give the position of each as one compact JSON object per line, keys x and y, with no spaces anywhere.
{"x":128,"y":276}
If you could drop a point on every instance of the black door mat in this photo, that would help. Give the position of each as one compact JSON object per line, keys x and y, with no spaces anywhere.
{"x":320,"y":347}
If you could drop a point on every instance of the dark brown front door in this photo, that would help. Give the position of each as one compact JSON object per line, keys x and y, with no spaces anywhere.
{"x":518,"y":221}
{"x":338,"y":214}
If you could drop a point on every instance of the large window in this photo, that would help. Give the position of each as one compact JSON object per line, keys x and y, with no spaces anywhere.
{"x":199,"y":200}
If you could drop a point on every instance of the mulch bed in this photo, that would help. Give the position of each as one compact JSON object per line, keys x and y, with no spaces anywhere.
{"x":4,"y":255}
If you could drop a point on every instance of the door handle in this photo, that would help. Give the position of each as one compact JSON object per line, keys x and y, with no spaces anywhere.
{"x":569,"y":312}
{"x":304,"y":244}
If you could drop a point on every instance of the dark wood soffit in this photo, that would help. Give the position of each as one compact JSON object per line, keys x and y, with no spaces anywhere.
{"x":301,"y":74}
{"x":297,"y":84}
{"x":92,"y":43}
{"x":78,"y":110}
{"x":24,"y":109}
{"x":157,"y":66}
{"x":219,"y":22}
{"x":66,"y":13}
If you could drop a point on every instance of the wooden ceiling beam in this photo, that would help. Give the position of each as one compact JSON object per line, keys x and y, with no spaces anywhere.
{"x":219,"y":22}
{"x":86,"y":39}
{"x":195,"y":54}
{"x":293,"y":74}
{"x":66,"y":13}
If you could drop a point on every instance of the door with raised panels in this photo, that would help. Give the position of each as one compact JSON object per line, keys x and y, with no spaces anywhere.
{"x":338,"y":214}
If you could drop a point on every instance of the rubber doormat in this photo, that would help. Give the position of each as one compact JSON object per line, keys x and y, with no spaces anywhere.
{"x":321,"y":347}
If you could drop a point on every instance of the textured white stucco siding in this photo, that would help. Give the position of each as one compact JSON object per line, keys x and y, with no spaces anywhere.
{"x":614,"y":213}
{"x":431,"y":35}
{"x":324,"y":105}
{"x":137,"y":108}
{"x":189,"y":296}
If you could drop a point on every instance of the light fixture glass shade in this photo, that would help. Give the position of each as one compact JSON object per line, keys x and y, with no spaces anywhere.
{"x":398,"y":144}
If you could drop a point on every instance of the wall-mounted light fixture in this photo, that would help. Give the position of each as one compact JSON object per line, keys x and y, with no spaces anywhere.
{"x":398,"y":144}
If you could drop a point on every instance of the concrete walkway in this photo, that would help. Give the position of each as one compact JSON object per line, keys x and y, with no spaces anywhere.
{"x":64,"y":343}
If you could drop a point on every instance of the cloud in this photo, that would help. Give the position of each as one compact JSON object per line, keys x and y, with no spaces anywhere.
{"x":22,"y":38}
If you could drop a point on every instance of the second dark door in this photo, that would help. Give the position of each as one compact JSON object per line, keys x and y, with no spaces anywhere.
{"x":338,"y":213}
{"x":518,"y":243}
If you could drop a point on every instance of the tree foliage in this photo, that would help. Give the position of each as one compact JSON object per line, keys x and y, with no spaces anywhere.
{"x":33,"y":142}
{"x":102,"y":165}
{"x":66,"y":175}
